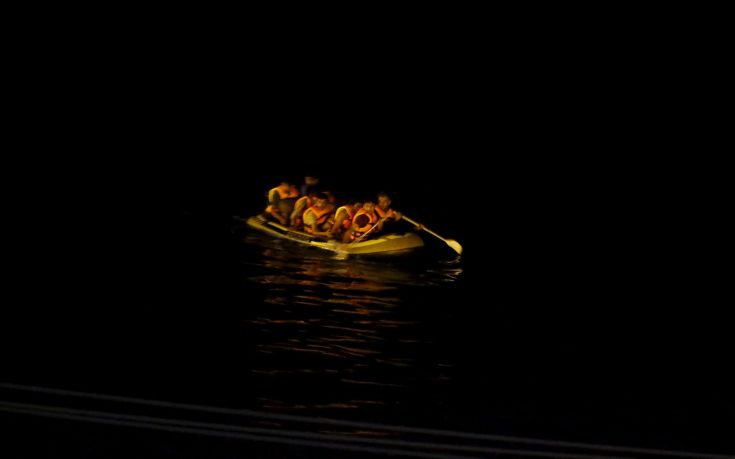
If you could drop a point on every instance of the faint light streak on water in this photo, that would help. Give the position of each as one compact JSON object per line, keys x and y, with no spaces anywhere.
{"x":340,"y":334}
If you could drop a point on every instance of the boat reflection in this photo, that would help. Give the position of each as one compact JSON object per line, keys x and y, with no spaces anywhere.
{"x":294,"y":265}
{"x":349,"y":326}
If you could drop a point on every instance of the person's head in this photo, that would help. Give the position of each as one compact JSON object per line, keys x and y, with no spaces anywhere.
{"x":285,"y":186}
{"x":369,"y":206}
{"x":311,"y":180}
{"x":357,"y":206}
{"x":384,"y":201}
{"x":320,"y":200}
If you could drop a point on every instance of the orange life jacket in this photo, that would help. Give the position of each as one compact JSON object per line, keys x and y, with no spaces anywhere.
{"x":350,"y":209}
{"x":283,"y":194}
{"x":320,"y":214}
{"x":308,"y":203}
{"x":369,"y":224}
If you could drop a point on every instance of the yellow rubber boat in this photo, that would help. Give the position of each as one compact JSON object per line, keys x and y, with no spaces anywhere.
{"x":382,"y":244}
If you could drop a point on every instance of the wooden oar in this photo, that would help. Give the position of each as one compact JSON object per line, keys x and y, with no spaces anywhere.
{"x":285,"y":229}
{"x":368,"y":231}
{"x":450,"y":242}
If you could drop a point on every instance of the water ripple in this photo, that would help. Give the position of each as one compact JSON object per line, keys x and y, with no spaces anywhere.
{"x":348,"y":329}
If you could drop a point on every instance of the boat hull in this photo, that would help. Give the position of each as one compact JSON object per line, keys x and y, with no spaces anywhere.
{"x":389,"y":243}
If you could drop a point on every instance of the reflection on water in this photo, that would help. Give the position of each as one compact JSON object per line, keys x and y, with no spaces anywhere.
{"x":307,"y":266}
{"x":341,"y":334}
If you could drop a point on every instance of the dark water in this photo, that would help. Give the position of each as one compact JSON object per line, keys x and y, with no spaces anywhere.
{"x":432,"y":339}
{"x":354,"y":335}
{"x":557,"y":322}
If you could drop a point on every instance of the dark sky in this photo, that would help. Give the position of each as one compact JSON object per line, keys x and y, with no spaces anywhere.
{"x":548,"y":170}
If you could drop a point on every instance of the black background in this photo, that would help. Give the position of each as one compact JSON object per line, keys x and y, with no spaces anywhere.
{"x":566,"y":187}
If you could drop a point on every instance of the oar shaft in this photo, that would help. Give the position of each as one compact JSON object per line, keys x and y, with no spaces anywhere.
{"x":433,"y":233}
{"x":368,"y":231}
{"x":454,"y":245}
{"x":414,"y":223}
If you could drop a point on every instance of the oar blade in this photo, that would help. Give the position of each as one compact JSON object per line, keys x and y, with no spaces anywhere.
{"x":454,"y":245}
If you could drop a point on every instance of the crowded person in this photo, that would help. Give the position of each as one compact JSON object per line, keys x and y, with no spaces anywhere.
{"x":316,"y":217}
{"x":309,"y":185}
{"x":280,"y":202}
{"x":342,"y":220}
{"x":362,"y":222}
{"x":303,"y":203}
{"x":385,"y":212}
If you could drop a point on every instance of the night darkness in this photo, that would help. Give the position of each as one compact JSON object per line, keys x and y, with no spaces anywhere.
{"x":575,"y":240}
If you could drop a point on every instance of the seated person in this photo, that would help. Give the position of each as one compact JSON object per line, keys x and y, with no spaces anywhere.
{"x":309,"y":185}
{"x":363,"y":221}
{"x":280,"y":202}
{"x":303,"y":203}
{"x":316,"y":217}
{"x":385,"y":212}
{"x":343,"y":217}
